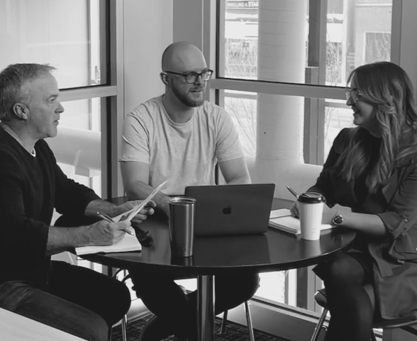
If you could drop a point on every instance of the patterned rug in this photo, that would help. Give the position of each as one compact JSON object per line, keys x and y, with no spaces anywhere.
{"x":234,"y":332}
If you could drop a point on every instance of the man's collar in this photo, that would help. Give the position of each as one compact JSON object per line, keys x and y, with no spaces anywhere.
{"x":12,"y":133}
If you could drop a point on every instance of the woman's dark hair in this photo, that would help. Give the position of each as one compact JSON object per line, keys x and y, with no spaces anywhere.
{"x":389,"y":90}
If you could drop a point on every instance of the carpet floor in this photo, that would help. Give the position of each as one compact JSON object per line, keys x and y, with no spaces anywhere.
{"x":234,"y":332}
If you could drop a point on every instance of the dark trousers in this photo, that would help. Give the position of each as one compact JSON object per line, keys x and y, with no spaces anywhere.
{"x":350,"y":306}
{"x":77,"y":300}
{"x":178,"y":310}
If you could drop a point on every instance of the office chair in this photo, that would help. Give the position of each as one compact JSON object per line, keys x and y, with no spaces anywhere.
{"x":403,"y":323}
{"x":124,"y":321}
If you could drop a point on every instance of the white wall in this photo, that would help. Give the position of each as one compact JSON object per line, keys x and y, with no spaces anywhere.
{"x":147,"y":32}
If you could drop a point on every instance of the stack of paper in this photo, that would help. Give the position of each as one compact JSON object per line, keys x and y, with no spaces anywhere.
{"x":283,"y":220}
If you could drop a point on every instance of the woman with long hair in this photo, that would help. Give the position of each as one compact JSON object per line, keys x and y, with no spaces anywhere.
{"x":372,"y":169}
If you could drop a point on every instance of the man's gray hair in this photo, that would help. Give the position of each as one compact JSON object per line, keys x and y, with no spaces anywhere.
{"x":12,"y":81}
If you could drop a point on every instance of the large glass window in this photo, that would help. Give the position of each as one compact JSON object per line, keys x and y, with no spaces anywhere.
{"x":279,"y":64}
{"x":71,"y":36}
{"x":305,"y":42}
{"x":66,"y":34}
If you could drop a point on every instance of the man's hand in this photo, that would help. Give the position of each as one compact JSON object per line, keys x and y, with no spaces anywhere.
{"x":105,"y":233}
{"x":102,"y":232}
{"x":142,"y":215}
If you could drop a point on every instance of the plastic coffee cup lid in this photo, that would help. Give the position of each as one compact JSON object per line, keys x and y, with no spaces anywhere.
{"x":310,"y":198}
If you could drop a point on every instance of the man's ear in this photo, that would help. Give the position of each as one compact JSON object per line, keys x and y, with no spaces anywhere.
{"x":21,"y":111}
{"x":164,"y":78}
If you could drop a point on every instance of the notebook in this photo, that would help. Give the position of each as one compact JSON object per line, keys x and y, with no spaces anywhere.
{"x":222,"y":210}
{"x":283,"y":220}
{"x":127,"y":244}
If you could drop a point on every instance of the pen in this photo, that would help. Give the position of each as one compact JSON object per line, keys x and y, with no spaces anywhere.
{"x":105,"y":217}
{"x":294,"y":193}
{"x":129,"y":232}
{"x":110,"y":220}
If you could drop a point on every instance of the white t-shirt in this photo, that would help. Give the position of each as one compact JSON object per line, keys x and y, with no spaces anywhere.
{"x":183,"y":153}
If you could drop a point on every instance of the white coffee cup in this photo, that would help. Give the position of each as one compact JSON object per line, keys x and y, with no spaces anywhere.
{"x":311,"y":212}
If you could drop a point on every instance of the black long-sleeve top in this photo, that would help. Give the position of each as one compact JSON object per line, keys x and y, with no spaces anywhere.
{"x":30,"y":188}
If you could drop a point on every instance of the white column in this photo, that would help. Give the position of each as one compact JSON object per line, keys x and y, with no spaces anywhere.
{"x":280,"y":119}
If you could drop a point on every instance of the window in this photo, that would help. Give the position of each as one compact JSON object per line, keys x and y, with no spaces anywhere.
{"x":281,"y":72}
{"x":302,"y":44}
{"x":74,"y":38}
{"x":71,"y":37}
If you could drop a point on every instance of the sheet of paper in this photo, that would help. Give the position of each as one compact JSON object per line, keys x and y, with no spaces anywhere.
{"x":135,"y":210}
{"x":283,"y":212}
{"x":128,"y":243}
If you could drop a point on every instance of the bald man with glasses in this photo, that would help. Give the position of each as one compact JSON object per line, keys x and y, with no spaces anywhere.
{"x":180,"y":137}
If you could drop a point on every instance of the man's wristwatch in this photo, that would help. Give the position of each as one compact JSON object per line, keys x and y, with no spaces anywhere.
{"x":337,"y":219}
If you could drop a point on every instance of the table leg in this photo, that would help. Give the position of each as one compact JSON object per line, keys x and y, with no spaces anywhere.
{"x":205,"y":308}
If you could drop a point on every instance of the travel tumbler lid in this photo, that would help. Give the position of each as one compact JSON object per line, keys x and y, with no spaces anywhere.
{"x":181,"y":200}
{"x":310,"y":198}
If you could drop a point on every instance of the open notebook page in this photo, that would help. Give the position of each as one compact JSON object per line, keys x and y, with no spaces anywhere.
{"x":128,"y":243}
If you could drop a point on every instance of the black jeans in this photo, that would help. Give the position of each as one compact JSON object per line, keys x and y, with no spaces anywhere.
{"x":178,"y":310}
{"x":77,"y":300}
{"x":350,"y":306}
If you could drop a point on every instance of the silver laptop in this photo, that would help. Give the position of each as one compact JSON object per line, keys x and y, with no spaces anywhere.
{"x":222,"y":210}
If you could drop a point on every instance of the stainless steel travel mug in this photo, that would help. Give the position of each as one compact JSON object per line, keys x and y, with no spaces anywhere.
{"x":181,"y":226}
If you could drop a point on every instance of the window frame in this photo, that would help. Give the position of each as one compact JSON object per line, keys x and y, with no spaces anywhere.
{"x":403,"y":50}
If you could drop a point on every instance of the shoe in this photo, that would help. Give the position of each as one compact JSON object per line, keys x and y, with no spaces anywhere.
{"x":154,"y":330}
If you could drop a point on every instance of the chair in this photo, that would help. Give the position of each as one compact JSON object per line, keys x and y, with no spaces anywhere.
{"x":248,"y":321}
{"x":403,"y":323}
{"x":124,"y":320}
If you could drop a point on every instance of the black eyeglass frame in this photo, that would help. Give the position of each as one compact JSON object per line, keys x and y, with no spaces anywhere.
{"x":205,"y":75}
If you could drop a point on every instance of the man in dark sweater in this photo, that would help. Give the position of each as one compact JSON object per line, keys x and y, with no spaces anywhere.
{"x":74,"y":299}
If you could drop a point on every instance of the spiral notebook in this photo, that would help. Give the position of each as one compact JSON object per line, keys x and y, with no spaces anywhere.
{"x":231,"y":209}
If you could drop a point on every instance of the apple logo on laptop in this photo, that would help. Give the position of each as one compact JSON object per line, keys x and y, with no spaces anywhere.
{"x":227,"y":210}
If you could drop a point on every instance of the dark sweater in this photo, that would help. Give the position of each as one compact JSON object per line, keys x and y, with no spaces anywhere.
{"x":30,"y":188}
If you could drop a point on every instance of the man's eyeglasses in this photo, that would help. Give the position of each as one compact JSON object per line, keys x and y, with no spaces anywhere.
{"x":353,"y":93}
{"x":192,"y":77}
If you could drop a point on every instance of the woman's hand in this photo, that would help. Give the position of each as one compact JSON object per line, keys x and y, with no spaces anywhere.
{"x":295,"y":210}
{"x":327,"y":216}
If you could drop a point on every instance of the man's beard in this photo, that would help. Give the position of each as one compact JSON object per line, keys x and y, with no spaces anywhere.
{"x":184,"y":99}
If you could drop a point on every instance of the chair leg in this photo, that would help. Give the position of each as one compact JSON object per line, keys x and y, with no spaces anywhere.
{"x":249,"y":321}
{"x":124,"y":328}
{"x":110,"y":333}
{"x":319,"y":325}
{"x":224,"y":321}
